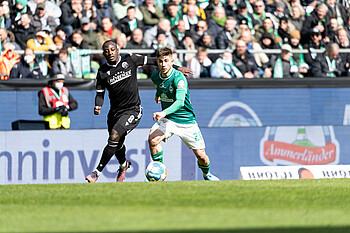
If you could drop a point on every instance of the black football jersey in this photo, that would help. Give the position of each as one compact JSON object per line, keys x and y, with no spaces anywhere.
{"x":121,"y":81}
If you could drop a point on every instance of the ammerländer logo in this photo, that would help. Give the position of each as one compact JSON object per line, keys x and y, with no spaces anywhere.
{"x":299,"y":145}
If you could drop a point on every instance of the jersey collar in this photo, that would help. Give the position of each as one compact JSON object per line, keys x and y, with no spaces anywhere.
{"x":171,"y":73}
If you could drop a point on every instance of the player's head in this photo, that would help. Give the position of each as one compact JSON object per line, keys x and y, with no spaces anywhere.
{"x":110,"y":51}
{"x":165,"y":60}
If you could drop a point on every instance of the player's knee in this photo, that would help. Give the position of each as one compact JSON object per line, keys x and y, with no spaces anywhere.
{"x":114,"y":136}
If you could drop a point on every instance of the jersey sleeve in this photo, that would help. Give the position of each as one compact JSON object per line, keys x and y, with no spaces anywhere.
{"x":100,"y":91}
{"x":139,"y":59}
{"x":181,"y":90}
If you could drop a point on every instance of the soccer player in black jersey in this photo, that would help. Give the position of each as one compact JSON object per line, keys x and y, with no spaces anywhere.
{"x":119,"y":77}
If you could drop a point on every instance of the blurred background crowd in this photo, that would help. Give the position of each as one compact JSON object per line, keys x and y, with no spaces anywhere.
{"x":41,"y":38}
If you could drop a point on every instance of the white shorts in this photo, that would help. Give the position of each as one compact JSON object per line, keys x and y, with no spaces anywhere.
{"x":189,"y":133}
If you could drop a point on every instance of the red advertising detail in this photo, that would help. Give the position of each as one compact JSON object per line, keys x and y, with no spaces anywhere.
{"x":300,"y":154}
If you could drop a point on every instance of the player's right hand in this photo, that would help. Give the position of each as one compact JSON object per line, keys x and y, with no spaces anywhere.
{"x":97,"y":110}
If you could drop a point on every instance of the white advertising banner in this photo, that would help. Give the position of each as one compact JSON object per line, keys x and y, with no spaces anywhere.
{"x":67,"y":156}
{"x":294,"y":172}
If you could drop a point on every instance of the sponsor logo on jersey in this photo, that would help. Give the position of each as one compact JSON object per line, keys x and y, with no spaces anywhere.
{"x":299,"y":145}
{"x":125,"y":65}
{"x":181,"y":84}
{"x":119,"y":77}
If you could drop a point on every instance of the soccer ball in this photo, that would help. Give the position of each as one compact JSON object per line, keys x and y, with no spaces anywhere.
{"x":156,"y":171}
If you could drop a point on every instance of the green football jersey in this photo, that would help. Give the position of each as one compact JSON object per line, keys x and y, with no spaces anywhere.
{"x":166,"y":90}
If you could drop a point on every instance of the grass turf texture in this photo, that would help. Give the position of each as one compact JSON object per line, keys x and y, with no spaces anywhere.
{"x":187,"y":206}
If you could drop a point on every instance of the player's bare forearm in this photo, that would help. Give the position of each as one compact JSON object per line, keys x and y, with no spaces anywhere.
{"x":159,"y":115}
{"x":187,"y":72}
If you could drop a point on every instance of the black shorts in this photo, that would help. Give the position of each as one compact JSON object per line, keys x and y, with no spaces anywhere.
{"x":124,"y":121}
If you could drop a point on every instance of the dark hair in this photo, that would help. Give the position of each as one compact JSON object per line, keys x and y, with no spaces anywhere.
{"x":63,"y":50}
{"x":131,"y":7}
{"x":165,"y":51}
{"x":110,"y":42}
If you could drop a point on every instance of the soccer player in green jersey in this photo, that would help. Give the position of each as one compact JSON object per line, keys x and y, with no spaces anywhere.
{"x":177,"y":115}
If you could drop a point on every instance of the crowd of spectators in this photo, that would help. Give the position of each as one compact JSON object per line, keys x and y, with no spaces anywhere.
{"x":236,"y":26}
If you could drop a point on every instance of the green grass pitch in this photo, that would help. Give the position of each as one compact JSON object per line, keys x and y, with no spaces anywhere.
{"x":186,"y":206}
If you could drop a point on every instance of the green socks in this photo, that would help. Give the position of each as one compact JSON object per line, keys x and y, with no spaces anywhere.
{"x":158,"y":157}
{"x":205,"y":168}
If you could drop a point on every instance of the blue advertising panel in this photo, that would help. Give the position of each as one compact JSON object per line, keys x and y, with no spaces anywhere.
{"x":214,"y":108}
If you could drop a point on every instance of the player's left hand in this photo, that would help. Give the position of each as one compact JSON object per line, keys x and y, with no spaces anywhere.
{"x":187,"y":72}
{"x":158,"y":115}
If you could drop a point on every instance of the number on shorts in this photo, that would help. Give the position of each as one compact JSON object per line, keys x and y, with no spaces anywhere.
{"x":197,"y":136}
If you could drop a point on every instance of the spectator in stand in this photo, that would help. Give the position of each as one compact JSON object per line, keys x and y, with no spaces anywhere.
{"x":121,"y":41}
{"x":161,"y":40}
{"x":231,"y":7}
{"x":206,"y":41}
{"x":121,"y":6}
{"x":266,"y":27}
{"x":311,"y":5}
{"x":198,"y":31}
{"x":24,"y":32}
{"x":129,"y":23}
{"x":199,"y":12}
{"x":178,"y":32}
{"x":200,"y":64}
{"x":151,"y":34}
{"x":244,"y":61}
{"x":224,"y":38}
{"x":261,"y":59}
{"x":347,"y":26}
{"x":51,"y":9}
{"x":318,"y":19}
{"x":61,"y":34}
{"x":41,"y":19}
{"x":337,"y":11}
{"x":260,"y":14}
{"x":172,"y":13}
{"x":316,"y":42}
{"x":5,"y":22}
{"x":76,"y":41}
{"x":90,"y":12}
{"x":42,"y":42}
{"x":334,"y":28}
{"x":59,"y":44}
{"x":8,"y":58}
{"x":7,"y":37}
{"x":267,"y":42}
{"x":89,"y":35}
{"x":243,"y":14}
{"x":26,"y":67}
{"x":137,"y":41}
{"x":285,"y":66}
{"x":329,"y":64}
{"x":213,"y":4}
{"x":188,"y":44}
{"x":104,"y":10}
{"x":299,"y":58}
{"x":223,"y":67}
{"x":243,"y":26}
{"x":283,"y":31}
{"x":151,"y":13}
{"x":190,"y":17}
{"x":63,"y":65}
{"x":19,"y":8}
{"x":297,"y":17}
{"x":344,"y":43}
{"x":107,"y":31}
{"x":217,"y":21}
{"x":72,"y":12}
{"x":280,"y":10}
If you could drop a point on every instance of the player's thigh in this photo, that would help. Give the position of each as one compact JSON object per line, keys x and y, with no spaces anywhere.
{"x":155,"y":137}
{"x":124,"y":122}
{"x":191,"y":136}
